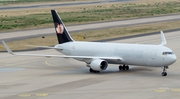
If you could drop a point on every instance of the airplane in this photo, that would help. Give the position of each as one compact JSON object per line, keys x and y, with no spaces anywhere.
{"x":97,"y":55}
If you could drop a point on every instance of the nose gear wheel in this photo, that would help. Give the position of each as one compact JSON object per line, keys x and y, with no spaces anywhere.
{"x":164,"y":73}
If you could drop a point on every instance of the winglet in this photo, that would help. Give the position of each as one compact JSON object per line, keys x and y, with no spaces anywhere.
{"x":163,"y":39}
{"x":7,"y":48}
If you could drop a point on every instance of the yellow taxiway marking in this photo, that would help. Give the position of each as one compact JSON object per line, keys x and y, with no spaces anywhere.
{"x":160,"y":90}
{"x":48,"y":63}
{"x":42,"y":95}
{"x":96,"y":91}
{"x":24,"y":95}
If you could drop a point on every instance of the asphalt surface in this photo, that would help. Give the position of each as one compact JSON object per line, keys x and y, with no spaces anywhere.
{"x":20,"y":35}
{"x":53,"y":78}
{"x":60,"y":4}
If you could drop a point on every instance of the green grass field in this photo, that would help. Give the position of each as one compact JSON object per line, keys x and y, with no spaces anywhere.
{"x":94,"y":14}
{"x":11,"y":2}
{"x":38,"y":18}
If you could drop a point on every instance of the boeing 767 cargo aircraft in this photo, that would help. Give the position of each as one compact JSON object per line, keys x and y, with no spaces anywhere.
{"x":98,"y":55}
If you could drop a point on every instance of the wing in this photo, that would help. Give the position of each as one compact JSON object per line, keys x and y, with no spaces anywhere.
{"x":45,"y":47}
{"x":64,"y":56}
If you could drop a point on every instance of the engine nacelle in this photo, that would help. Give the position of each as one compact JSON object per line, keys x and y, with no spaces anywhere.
{"x":98,"y":65}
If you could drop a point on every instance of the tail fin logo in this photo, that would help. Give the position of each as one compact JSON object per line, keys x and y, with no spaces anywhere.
{"x":59,"y":29}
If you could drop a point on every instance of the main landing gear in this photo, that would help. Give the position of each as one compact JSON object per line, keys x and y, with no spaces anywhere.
{"x":93,"y":71}
{"x":164,"y":73}
{"x":123,"y":67}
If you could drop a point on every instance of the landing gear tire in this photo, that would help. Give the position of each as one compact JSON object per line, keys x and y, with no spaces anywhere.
{"x":93,"y":71}
{"x":127,"y":67}
{"x":124,"y":67}
{"x":120,"y":67}
{"x":164,"y":73}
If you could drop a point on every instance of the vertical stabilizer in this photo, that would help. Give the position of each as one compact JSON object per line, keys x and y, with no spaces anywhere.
{"x":163,"y":39}
{"x":63,"y":35}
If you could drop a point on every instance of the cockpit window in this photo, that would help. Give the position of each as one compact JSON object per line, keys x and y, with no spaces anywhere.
{"x":167,"y":53}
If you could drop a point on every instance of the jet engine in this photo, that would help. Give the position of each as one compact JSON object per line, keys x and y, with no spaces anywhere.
{"x":98,"y":65}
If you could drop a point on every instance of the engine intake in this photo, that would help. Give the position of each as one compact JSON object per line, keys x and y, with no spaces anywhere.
{"x":98,"y":65}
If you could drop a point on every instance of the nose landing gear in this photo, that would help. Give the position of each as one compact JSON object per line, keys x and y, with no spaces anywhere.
{"x":164,"y":73}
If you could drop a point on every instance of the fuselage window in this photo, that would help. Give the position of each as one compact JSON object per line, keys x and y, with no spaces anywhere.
{"x":165,"y":53}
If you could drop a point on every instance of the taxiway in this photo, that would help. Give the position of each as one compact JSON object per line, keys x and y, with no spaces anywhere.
{"x":54,"y":78}
{"x":59,"y":4}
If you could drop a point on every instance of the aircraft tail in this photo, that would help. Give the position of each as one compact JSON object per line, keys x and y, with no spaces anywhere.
{"x":63,"y":35}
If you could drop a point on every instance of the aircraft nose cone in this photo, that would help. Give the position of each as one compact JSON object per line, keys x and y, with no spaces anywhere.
{"x":173,"y":59}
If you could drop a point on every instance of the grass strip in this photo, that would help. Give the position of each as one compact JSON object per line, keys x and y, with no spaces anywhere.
{"x":97,"y":13}
{"x":93,"y":35}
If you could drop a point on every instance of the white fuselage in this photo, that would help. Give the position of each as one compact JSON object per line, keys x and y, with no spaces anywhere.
{"x":131,"y":54}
